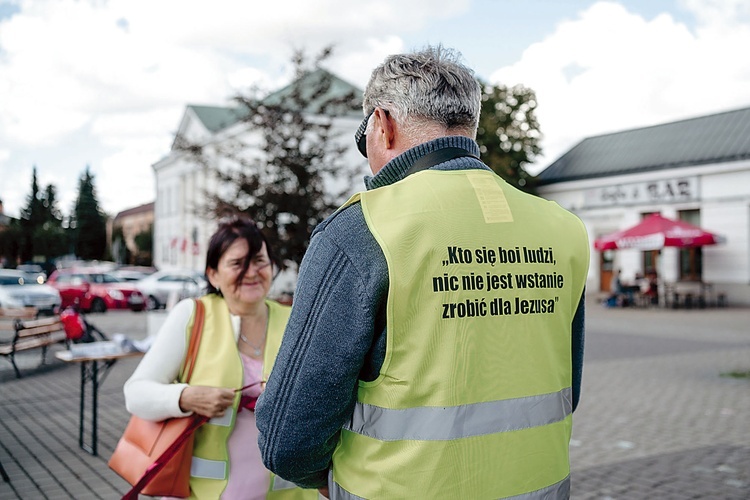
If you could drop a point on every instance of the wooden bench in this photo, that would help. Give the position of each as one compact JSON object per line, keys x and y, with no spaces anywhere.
{"x":30,"y":334}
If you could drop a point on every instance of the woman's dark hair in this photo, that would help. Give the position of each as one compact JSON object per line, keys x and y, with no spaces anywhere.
{"x":228,"y":232}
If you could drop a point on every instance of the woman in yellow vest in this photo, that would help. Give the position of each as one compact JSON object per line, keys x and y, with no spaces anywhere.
{"x":242,"y":332}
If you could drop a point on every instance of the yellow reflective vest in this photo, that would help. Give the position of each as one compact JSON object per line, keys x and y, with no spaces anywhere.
{"x":474,"y":396}
{"x":218,"y":364}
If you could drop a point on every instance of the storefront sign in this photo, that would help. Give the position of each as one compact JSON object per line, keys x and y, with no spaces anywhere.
{"x":642,"y":193}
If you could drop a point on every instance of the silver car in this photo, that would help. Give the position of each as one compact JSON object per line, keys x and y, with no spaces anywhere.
{"x":161,"y":286}
{"x":24,"y":289}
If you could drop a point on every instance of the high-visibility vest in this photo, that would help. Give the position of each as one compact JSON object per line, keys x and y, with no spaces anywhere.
{"x":218,"y":364}
{"x":474,"y":396}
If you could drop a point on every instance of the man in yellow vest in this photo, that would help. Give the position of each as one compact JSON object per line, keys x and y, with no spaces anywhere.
{"x":435,"y":344}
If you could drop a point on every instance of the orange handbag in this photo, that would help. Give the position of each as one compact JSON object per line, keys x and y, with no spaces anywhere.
{"x":155,"y":457}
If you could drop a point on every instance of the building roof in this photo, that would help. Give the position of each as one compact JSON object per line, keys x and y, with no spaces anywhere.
{"x":717,"y":138}
{"x":145,"y":208}
{"x":216,"y":118}
{"x":338,"y":89}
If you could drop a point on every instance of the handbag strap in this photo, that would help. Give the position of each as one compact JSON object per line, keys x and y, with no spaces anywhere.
{"x":195,"y":339}
{"x":153,"y":469}
{"x":196,"y":420}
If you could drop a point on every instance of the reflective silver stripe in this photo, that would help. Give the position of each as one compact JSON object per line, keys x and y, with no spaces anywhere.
{"x":225,"y":421}
{"x":454,"y":422}
{"x":557,"y":491}
{"x":208,"y":469}
{"x":279,"y":483}
{"x":336,"y":492}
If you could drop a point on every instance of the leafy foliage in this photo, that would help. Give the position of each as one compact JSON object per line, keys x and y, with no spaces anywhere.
{"x":32,"y":217}
{"x":145,"y":243}
{"x":42,"y":234}
{"x":281,"y":172}
{"x":508,"y":133}
{"x":88,"y":222}
{"x":11,"y":238}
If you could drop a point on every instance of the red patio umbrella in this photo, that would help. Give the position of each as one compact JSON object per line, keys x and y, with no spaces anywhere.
{"x":656,"y":232}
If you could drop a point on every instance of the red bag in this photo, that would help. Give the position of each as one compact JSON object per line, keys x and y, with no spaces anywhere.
{"x":72,"y":323}
{"x":155,"y":457}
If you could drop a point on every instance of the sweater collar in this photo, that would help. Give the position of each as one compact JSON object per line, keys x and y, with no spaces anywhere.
{"x":397,"y":168}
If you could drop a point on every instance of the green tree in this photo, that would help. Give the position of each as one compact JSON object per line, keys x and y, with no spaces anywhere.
{"x":284,"y":180}
{"x":88,"y":223}
{"x":32,"y":218}
{"x":508,"y":133}
{"x":50,"y":239}
{"x":41,"y":228}
{"x":11,"y":239}
{"x":145,"y":243}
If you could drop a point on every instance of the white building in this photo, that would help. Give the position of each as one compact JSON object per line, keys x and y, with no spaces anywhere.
{"x":181,"y":230}
{"x":696,"y":170}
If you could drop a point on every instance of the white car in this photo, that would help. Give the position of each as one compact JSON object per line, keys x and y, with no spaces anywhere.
{"x":24,"y":289}
{"x":8,"y":303}
{"x":177,"y":284}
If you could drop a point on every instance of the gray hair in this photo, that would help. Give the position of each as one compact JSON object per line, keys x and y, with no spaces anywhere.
{"x":426,"y":91}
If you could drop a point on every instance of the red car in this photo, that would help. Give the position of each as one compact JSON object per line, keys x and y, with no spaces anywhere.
{"x":95,"y":291}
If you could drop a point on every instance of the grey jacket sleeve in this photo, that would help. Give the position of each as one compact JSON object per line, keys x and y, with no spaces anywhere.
{"x":578,"y":327}
{"x":312,"y":389}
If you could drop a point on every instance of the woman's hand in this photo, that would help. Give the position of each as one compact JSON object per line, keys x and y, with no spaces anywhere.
{"x":207,"y":401}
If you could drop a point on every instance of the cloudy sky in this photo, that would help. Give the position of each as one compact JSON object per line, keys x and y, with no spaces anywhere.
{"x":104,"y":83}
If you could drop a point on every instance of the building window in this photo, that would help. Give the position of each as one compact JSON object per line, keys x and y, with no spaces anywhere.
{"x":691,"y":259}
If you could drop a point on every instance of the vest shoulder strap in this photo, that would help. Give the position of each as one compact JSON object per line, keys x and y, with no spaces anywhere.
{"x":438,"y":157}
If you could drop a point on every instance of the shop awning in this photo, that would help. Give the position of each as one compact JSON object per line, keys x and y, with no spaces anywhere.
{"x":655,"y":232}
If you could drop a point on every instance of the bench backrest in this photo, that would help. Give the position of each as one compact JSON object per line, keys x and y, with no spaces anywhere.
{"x":8,"y":317}
{"x":38,"y":327}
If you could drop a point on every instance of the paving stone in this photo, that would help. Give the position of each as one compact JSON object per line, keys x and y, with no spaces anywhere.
{"x":656,"y":418}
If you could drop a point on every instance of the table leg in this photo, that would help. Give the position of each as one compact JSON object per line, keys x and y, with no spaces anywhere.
{"x":91,"y":374}
{"x":94,"y":405}
{"x":81,"y":413}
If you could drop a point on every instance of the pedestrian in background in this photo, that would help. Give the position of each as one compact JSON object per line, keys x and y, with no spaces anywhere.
{"x":435,"y":344}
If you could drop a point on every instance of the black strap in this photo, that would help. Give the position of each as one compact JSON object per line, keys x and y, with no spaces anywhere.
{"x":438,"y":157}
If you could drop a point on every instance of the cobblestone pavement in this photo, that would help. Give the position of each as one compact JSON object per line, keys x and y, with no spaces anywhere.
{"x":659,"y":416}
{"x":657,"y":419}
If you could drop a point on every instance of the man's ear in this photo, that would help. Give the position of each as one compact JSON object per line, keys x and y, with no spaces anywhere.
{"x":385,"y":127}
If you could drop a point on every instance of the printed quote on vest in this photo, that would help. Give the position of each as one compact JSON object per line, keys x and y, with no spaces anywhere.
{"x":501,"y":295}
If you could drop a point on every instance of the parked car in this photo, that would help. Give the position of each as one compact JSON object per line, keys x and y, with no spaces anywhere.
{"x":95,"y":291}
{"x":8,"y":303}
{"x":34,"y":271}
{"x":127,"y":275}
{"x":29,"y":292}
{"x":181,"y":284}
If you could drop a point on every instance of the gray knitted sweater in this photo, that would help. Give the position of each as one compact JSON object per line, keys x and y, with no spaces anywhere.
{"x":336,"y":333}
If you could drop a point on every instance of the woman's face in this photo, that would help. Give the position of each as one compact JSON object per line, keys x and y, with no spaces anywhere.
{"x":255,"y":283}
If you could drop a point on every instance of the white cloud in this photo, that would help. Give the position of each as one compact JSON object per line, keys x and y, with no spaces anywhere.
{"x":122,"y":72}
{"x":610,"y":70}
{"x":125,"y":179}
{"x":355,"y":64}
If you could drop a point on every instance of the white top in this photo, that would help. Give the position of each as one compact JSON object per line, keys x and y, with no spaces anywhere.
{"x":151,"y":393}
